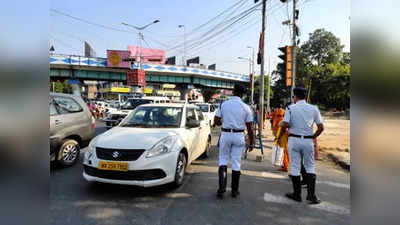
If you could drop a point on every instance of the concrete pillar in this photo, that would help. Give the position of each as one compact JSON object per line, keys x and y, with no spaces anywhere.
{"x":76,"y":89}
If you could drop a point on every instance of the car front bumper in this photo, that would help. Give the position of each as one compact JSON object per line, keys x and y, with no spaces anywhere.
{"x":144,"y":172}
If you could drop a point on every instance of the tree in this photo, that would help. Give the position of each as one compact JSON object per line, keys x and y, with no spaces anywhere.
{"x":257,"y":84}
{"x":62,"y":87}
{"x":324,"y":69}
{"x":208,"y":92}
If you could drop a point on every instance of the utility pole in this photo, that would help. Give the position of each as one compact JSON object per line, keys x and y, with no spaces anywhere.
{"x":262,"y":70}
{"x":140,"y":49}
{"x":293,"y":51}
{"x":269,"y":85}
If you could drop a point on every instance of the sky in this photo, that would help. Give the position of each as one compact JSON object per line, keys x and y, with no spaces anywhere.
{"x":67,"y":34}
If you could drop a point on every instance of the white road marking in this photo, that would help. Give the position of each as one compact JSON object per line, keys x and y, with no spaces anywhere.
{"x":326,"y":206}
{"x":340,"y":185}
{"x":331,"y":208}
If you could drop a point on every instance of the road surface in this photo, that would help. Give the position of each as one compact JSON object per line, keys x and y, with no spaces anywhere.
{"x":75,"y":201}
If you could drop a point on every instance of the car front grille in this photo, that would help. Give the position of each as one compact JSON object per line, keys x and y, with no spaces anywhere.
{"x":118,"y":154}
{"x":138,"y":175}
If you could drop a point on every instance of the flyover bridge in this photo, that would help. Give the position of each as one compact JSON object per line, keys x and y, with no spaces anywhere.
{"x":91,"y":68}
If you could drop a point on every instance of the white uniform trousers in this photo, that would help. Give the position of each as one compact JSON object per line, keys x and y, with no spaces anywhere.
{"x":231,"y":145}
{"x":298,"y":147}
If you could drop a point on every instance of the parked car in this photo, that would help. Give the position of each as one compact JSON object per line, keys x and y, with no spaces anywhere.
{"x":71,"y":127}
{"x":208,"y":111}
{"x":116,"y":116}
{"x":152,"y":146}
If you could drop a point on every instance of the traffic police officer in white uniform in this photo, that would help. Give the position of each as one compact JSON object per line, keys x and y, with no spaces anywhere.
{"x":299,"y":118}
{"x":234,"y":115}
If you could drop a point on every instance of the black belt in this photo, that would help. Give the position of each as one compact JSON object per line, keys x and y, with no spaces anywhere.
{"x":231,"y":130}
{"x":301,"y":136}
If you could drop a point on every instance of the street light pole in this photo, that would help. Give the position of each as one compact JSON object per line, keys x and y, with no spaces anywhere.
{"x":184,"y":44}
{"x":252,"y":74}
{"x":140,"y":37}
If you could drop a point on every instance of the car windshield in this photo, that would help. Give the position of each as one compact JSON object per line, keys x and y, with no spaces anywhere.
{"x":154,"y":117}
{"x":133,"y":103}
{"x":203,"y":108}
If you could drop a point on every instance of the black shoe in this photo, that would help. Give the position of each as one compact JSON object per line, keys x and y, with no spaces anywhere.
{"x":293,"y":197}
{"x":296,"y":195}
{"x":234,"y":194}
{"x":303,"y":183}
{"x":311,"y":197}
{"x":235,"y":183}
{"x":222,"y":180}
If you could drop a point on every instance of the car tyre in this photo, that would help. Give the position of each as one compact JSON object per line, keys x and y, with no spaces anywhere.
{"x":207,"y":151}
{"x":180,"y":170}
{"x":69,"y":152}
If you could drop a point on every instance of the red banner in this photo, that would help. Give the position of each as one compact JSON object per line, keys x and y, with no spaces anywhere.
{"x":136,"y":77}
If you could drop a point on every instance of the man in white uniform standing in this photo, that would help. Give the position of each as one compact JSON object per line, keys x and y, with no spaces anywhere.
{"x":300,"y":118}
{"x":234,"y":116}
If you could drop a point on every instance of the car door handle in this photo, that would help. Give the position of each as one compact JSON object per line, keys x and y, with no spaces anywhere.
{"x":57,"y":122}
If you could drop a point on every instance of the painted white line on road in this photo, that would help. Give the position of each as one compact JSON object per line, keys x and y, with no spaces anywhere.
{"x":326,"y":206}
{"x":340,"y":185}
{"x":331,"y":208}
{"x":278,"y":199}
{"x":178,"y":195}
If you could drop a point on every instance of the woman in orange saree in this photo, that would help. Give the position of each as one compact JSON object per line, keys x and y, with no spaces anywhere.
{"x":282,"y":141}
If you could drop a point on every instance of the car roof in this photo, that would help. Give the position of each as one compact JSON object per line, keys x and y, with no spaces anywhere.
{"x":169,"y":105}
{"x":64,"y":94}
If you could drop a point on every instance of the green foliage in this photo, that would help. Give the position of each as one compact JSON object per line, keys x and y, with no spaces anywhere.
{"x":324,"y":69}
{"x":61,"y":87}
{"x":257,"y":83}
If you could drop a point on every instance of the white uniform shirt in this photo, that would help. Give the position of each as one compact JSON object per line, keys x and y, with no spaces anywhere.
{"x":234,"y":114}
{"x":301,"y":117}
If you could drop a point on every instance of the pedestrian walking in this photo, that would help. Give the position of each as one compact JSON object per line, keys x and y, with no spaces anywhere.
{"x":277,"y":117}
{"x":234,"y":116}
{"x":300,"y":118}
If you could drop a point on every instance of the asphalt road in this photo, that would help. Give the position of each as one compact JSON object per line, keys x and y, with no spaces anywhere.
{"x":75,"y":201}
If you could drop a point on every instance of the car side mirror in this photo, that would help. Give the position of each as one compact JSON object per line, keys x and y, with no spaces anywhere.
{"x":192,"y":123}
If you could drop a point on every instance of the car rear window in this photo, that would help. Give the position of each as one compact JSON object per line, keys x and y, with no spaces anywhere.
{"x":66,"y":105}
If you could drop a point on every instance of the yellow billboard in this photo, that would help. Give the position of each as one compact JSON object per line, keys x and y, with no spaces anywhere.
{"x":148,"y":91}
{"x":120,"y":89}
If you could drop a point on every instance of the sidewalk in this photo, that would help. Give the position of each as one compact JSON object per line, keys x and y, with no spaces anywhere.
{"x":338,"y":155}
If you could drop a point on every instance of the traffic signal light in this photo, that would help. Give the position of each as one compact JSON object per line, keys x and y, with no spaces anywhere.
{"x":286,"y":66}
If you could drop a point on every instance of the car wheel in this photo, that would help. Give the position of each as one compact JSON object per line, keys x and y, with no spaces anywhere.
{"x":206,"y":152}
{"x":68,"y":153}
{"x":180,"y":170}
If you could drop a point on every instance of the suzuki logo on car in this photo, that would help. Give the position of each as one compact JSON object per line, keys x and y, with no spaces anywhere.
{"x":115,"y":154}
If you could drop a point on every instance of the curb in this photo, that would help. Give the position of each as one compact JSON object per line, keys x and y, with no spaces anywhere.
{"x":342,"y":163}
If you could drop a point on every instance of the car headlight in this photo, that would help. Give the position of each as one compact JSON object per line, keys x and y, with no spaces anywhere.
{"x":162,"y":147}
{"x":91,"y":148}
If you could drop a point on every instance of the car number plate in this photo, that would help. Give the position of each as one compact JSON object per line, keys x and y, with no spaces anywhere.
{"x":118,"y":166}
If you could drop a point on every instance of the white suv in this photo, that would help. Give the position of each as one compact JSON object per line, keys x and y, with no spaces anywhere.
{"x":152,"y":146}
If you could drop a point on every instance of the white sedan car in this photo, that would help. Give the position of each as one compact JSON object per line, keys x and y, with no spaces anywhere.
{"x":152,"y":146}
{"x":208,"y":111}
